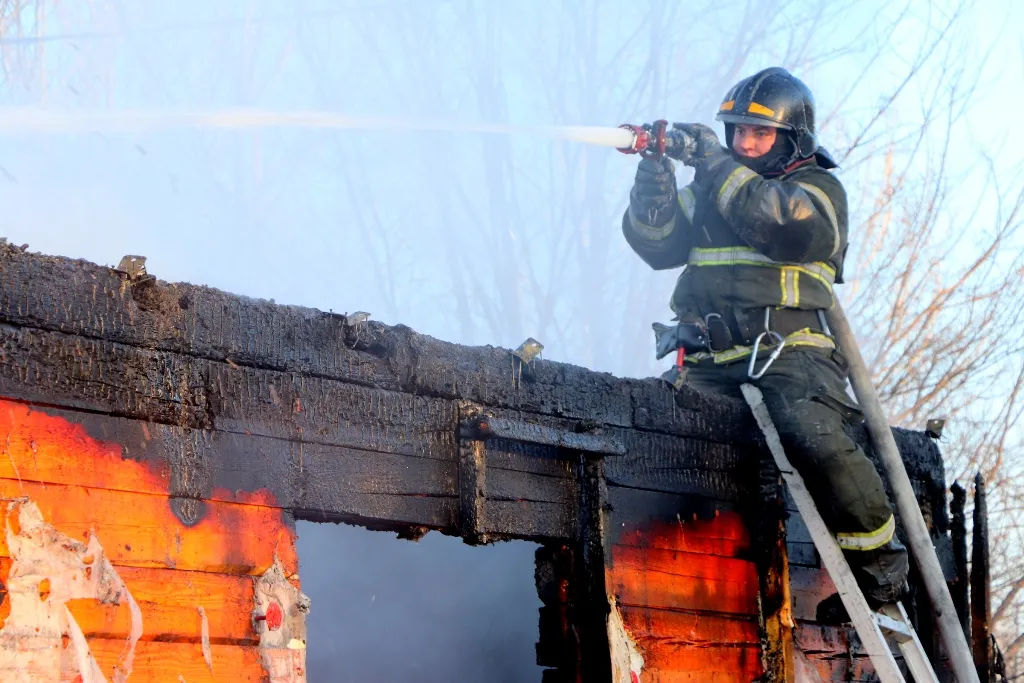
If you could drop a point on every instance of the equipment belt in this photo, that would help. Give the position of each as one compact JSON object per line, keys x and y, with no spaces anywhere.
{"x":746,"y":324}
{"x":799,"y":327}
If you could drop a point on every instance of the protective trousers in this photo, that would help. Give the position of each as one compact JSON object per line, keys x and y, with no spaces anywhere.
{"x":805,"y":393}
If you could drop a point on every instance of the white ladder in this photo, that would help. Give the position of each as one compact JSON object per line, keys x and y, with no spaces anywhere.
{"x":872,"y":627}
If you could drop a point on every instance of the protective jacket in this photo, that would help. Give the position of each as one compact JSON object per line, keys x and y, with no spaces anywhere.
{"x":749,"y":242}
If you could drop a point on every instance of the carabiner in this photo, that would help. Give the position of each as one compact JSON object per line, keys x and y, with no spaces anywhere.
{"x":771,"y":359}
{"x":778,"y":338}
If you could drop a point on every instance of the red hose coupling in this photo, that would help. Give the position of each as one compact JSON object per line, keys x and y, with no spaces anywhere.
{"x":641,"y":138}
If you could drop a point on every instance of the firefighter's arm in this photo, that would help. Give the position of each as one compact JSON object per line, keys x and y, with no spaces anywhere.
{"x":657,"y":224}
{"x":798,"y":220}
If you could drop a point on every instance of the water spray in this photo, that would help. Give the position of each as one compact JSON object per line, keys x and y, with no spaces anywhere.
{"x":29,"y":120}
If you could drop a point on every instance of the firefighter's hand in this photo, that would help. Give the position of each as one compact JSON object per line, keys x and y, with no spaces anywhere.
{"x":654,"y":190}
{"x":698,"y":143}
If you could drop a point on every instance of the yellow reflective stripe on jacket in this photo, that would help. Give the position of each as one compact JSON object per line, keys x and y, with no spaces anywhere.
{"x":830,"y":210}
{"x":649,"y":232}
{"x":790,"y":286}
{"x":748,"y":256}
{"x":868,"y":540}
{"x":688,"y":203}
{"x":735,"y":180}
{"x":803,"y":337}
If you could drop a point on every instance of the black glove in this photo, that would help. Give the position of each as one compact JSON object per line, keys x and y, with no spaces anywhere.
{"x":693,"y":143}
{"x":653,"y":197}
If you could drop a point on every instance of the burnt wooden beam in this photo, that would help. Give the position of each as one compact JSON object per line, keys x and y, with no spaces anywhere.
{"x":94,"y":302}
{"x":958,"y":587}
{"x":472,"y":481}
{"x":775,"y":612}
{"x":591,"y":608}
{"x":981,"y":599}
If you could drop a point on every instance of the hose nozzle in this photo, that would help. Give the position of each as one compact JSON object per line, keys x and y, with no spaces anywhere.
{"x":648,"y":139}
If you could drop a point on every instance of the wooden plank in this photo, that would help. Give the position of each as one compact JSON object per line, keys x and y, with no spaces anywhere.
{"x":665,"y":660}
{"x":503,"y":454}
{"x":653,"y":461}
{"x":691,"y":629}
{"x":530,"y":520}
{"x":176,"y":662}
{"x":802,"y":554}
{"x":141,"y":530}
{"x":796,"y":529}
{"x":725,"y":535}
{"x":316,"y":482}
{"x":834,"y":652}
{"x":652,"y":577}
{"x":169,"y":602}
{"x":102,"y":451}
{"x":638,"y":510}
{"x":688,"y":466}
{"x":101,"y":376}
{"x":657,"y":676}
{"x":505,"y":484}
{"x":808,"y":587}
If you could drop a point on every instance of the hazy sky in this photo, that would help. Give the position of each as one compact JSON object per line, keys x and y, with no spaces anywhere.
{"x":477,"y":239}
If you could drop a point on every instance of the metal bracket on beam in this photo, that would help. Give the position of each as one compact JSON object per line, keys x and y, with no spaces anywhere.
{"x":483,"y":427}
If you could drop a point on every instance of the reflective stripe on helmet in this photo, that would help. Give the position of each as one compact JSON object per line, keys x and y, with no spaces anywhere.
{"x":868,"y":540}
{"x":804,"y":337}
{"x":748,"y":256}
{"x":737,"y":179}
{"x":830,"y":211}
{"x":755,"y":108}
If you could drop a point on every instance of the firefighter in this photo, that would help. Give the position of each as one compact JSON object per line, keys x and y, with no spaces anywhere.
{"x":761,"y":233}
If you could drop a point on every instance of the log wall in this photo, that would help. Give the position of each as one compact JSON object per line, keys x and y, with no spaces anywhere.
{"x":160,"y":439}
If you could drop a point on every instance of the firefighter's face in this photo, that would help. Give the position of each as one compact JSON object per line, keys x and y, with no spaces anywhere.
{"x":752,"y":141}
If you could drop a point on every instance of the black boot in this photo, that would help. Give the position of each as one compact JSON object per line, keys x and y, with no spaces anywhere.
{"x":881,"y":574}
{"x":832,"y":612}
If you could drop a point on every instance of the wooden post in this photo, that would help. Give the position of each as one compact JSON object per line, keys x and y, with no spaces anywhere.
{"x":591,"y":594}
{"x":775,"y":620}
{"x":981,"y":600}
{"x":958,"y":532}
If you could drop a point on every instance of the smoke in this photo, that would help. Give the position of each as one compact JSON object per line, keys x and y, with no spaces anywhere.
{"x":432,"y":611}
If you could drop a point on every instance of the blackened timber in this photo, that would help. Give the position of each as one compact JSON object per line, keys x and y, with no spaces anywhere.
{"x":98,"y":303}
{"x":653,"y":461}
{"x":775,"y":618}
{"x":472,"y":482}
{"x":278,"y":388}
{"x":169,"y":388}
{"x":317,"y":482}
{"x":981,"y":598}
{"x":591,"y":608}
{"x":488,"y":427}
{"x":958,"y":587}
{"x":91,"y":302}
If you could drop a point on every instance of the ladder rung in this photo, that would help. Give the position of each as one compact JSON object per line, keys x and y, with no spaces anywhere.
{"x":899,"y":630}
